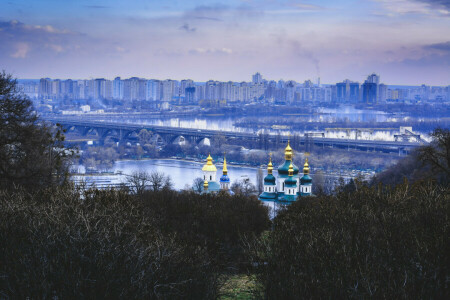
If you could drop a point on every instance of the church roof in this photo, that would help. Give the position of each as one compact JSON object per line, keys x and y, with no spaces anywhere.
{"x":305,"y":179}
{"x":290,"y":182}
{"x":209,"y":166}
{"x":224,"y":178}
{"x":269,"y":179}
{"x":283,"y":169}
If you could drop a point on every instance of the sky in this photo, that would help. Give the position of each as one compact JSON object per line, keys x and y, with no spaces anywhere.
{"x":404,"y":41}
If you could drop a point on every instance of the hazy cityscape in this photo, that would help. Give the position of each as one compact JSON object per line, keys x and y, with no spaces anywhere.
{"x":56,"y":95}
{"x":246,"y":149}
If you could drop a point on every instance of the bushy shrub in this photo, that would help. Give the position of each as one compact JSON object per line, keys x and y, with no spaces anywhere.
{"x":374,"y":242}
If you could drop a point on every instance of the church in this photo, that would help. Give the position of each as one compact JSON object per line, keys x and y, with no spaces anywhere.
{"x":288,"y":186}
{"x":283,"y":190}
{"x":209,"y":176}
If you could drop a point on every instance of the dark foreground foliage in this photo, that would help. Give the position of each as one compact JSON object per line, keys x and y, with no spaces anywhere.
{"x":372,"y":243}
{"x":430,"y":161}
{"x":216,"y":222}
{"x":110,"y":244}
{"x":31,"y":153}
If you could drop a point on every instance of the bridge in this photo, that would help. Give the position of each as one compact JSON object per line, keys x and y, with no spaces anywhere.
{"x":164,"y":135}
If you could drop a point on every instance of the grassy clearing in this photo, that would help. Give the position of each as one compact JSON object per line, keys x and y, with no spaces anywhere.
{"x":240,"y":286}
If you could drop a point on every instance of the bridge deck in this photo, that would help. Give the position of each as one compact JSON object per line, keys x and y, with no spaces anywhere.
{"x":231,"y":134}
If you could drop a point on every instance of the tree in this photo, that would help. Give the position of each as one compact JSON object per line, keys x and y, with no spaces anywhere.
{"x":138,"y":181}
{"x":159,"y":181}
{"x":437,"y":154}
{"x":243,"y":187}
{"x":197,"y":185}
{"x":323,"y":185}
{"x":31,"y":153}
{"x":374,"y":242}
{"x":144,"y":136}
{"x":427,"y":162}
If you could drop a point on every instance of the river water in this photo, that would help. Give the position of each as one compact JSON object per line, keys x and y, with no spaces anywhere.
{"x":181,"y":172}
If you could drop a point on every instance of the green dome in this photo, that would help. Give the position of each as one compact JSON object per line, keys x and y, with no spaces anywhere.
{"x":290,"y":182}
{"x":306,"y":179}
{"x":284,"y":168}
{"x":269,"y":179}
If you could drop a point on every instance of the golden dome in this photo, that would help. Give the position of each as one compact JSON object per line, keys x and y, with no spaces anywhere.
{"x":288,"y":152}
{"x":291,"y":169}
{"x":270,"y":166}
{"x":225,"y":170}
{"x":306,"y":167}
{"x":209,"y":167}
{"x":205,"y":185}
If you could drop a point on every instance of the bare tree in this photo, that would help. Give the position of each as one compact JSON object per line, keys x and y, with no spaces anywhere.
{"x":159,"y":181}
{"x":197,"y":184}
{"x":243,"y":187}
{"x":138,"y":181}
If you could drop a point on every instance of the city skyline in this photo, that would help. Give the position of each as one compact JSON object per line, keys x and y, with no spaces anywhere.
{"x":405,"y":40}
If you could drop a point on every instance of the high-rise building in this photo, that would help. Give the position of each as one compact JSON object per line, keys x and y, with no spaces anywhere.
{"x":45,"y":88}
{"x":131,"y":89}
{"x":142,"y":89}
{"x":168,"y":89}
{"x":56,"y":88}
{"x":190,"y":94}
{"x":369,"y":93}
{"x":257,"y":78}
{"x":354,"y":92}
{"x":343,"y":91}
{"x":382,"y":93}
{"x":373,"y":78}
{"x":117,"y":88}
{"x":153,"y":90}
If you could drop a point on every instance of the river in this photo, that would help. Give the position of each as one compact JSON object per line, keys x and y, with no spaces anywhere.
{"x":181,"y":172}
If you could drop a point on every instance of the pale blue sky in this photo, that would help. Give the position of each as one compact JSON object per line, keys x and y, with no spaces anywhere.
{"x":405,"y":41}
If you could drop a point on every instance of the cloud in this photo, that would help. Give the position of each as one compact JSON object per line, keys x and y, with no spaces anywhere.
{"x":21,"y":50}
{"x":222,"y":51}
{"x":443,"y":47}
{"x":22,"y":40}
{"x":424,"y":7}
{"x":205,"y":12}
{"x":97,"y":6}
{"x":209,"y":19}
{"x":187,"y":28}
{"x":46,"y":43}
{"x":307,"y":6}
{"x":439,"y":4}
